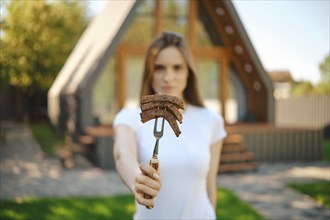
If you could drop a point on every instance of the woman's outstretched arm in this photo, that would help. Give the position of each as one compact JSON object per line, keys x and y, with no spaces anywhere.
{"x":139,"y":178}
{"x":213,"y":172}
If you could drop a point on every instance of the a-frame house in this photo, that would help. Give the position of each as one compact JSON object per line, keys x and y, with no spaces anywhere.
{"x":103,"y":73}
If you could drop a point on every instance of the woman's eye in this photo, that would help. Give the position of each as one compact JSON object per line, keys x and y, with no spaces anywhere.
{"x":159,"y":67}
{"x":177,"y":67}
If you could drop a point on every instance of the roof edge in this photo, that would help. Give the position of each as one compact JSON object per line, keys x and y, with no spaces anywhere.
{"x":265,"y":78}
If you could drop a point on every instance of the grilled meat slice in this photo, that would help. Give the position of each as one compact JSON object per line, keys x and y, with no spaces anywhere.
{"x":156,"y":113}
{"x":163,"y":98}
{"x":163,"y":105}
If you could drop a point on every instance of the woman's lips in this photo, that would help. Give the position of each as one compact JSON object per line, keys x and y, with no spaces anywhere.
{"x":168,"y":88}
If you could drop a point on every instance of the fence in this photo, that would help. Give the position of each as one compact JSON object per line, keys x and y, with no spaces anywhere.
{"x":275,"y":144}
{"x":303,"y":112}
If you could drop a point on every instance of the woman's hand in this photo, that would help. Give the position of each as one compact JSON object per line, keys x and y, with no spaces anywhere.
{"x":147,"y":182}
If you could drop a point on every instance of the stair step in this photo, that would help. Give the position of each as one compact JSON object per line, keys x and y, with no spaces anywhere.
{"x":79,"y":148}
{"x":86,"y":139}
{"x":228,"y":148}
{"x":64,"y":153}
{"x":235,"y":157}
{"x":233,"y":139}
{"x":237,"y":167}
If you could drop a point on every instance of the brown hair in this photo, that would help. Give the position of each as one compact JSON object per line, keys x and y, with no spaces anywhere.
{"x":191,"y":93}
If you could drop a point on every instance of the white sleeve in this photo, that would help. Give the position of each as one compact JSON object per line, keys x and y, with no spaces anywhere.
{"x":127,"y":117}
{"x":219,"y":131}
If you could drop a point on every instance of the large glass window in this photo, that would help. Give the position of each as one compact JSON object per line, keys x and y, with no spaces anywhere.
{"x":141,"y":31}
{"x":203,"y":38}
{"x":208,"y":75}
{"x":104,"y":99}
{"x":142,"y":28}
{"x":205,"y":32}
{"x":175,"y":16}
{"x":134,"y":70}
{"x":231,"y":104}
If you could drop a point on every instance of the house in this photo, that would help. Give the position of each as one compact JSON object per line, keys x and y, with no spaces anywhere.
{"x":282,"y":81}
{"x":103,"y":73}
{"x":107,"y":55}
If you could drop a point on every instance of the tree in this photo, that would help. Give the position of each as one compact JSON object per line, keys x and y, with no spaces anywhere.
{"x":325,"y":68}
{"x":324,"y":86}
{"x":36,"y":39}
{"x":302,"y":88}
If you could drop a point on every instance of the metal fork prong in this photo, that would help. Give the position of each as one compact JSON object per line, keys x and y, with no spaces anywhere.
{"x":155,"y":126}
{"x":162,"y":131}
{"x":159,"y":134}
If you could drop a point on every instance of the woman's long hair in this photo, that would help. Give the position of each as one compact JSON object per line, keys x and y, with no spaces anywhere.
{"x":191,"y":93}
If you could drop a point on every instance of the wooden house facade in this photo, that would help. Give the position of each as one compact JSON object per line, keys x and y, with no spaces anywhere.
{"x":103,"y":73}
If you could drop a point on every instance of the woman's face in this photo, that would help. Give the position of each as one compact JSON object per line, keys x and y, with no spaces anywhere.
{"x":170,"y":72}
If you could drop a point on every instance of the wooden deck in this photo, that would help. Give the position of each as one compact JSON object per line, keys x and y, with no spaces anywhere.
{"x":245,"y":147}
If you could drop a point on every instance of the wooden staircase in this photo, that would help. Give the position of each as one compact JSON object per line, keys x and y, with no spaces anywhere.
{"x":235,"y":157}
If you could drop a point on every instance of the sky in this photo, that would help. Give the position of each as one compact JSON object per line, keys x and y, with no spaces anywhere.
{"x":291,"y":35}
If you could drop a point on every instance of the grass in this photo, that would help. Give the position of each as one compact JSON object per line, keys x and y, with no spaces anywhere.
{"x":326,"y":150}
{"x":230,"y":206}
{"x":116,"y":207}
{"x":49,"y":140}
{"x":320,"y":191}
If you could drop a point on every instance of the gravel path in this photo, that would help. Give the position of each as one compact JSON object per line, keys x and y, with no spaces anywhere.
{"x":25,"y":172}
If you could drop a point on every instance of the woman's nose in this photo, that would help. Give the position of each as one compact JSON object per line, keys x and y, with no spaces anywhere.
{"x":168,"y":75}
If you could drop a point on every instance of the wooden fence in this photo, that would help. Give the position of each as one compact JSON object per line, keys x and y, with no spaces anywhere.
{"x":303,"y":112}
{"x":274,"y":144}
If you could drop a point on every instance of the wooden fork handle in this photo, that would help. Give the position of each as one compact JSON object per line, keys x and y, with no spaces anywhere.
{"x":154,"y":162}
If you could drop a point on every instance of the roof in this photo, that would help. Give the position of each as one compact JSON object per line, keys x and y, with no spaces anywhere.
{"x":98,"y":39}
{"x":280,"y":76}
{"x":103,"y":34}
{"x":254,"y":60}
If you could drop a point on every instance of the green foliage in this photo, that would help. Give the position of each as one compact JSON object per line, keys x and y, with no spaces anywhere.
{"x":37,"y":38}
{"x":302,"y":88}
{"x":117,"y":207}
{"x":47,"y":138}
{"x":320,"y":191}
{"x":325,"y":68}
{"x":324,"y":86}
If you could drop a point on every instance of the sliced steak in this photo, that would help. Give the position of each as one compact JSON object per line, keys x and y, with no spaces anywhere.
{"x":157,"y":113}
{"x":163,"y":105}
{"x":163,"y":98}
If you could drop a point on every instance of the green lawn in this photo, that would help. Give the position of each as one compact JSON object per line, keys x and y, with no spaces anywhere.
{"x":117,"y":207}
{"x":320,"y":191}
{"x":326,"y":150}
{"x":231,"y":207}
{"x":48,"y":139}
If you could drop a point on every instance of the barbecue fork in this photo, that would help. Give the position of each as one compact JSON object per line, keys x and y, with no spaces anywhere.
{"x":154,"y":162}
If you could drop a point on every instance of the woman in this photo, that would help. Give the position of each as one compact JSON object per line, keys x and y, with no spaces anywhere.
{"x":185,"y":187}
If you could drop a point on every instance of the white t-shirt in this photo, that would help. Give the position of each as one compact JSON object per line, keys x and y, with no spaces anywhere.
{"x":184,"y":162}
